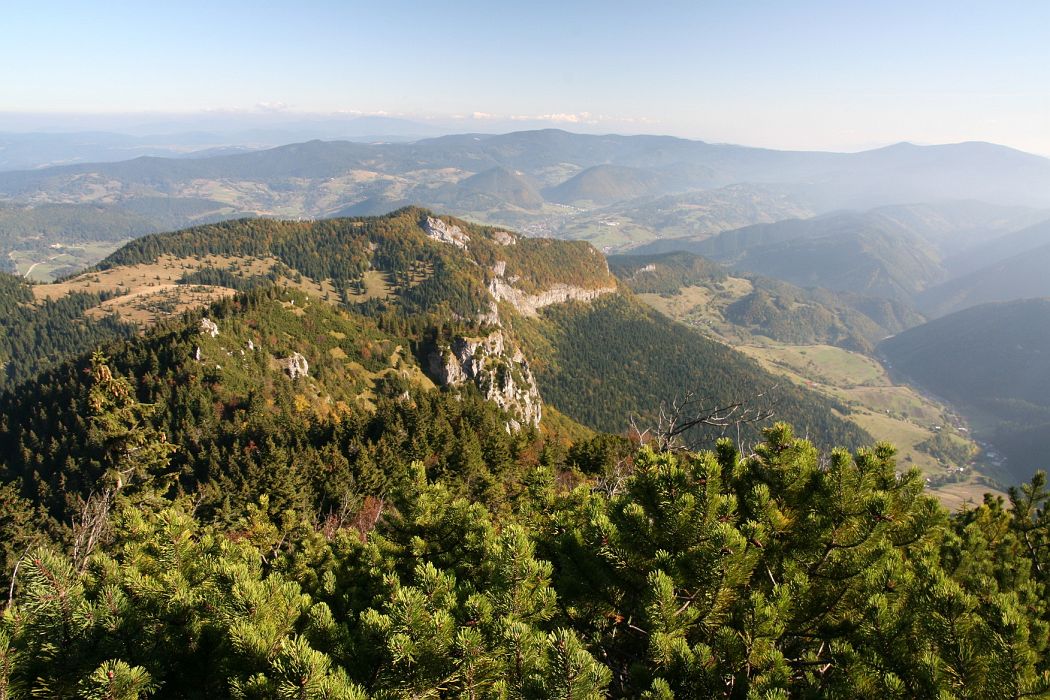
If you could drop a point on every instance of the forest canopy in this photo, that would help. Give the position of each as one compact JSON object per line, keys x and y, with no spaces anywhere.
{"x":660,"y":574}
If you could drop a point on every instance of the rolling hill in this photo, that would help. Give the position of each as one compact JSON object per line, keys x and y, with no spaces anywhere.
{"x":319,"y":178}
{"x":608,"y":184}
{"x":761,"y":306}
{"x":1021,"y":276}
{"x":1000,"y":248}
{"x":872,"y":263}
{"x":852,"y":252}
{"x":697,"y":213}
{"x":949,"y":227}
{"x":991,"y":361}
{"x":491,"y":189}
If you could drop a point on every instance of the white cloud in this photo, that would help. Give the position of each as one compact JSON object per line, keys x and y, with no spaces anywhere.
{"x":272,"y":106}
{"x":559,"y":117}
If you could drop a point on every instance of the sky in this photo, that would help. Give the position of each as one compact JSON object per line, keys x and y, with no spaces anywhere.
{"x":797,"y":74}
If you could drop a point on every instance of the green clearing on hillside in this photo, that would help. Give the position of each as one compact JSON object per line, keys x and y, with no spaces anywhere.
{"x":829,"y":365}
{"x":373,"y":285}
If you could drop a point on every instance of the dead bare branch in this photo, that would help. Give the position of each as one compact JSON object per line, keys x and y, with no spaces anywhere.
{"x":90,"y":525}
{"x":690,"y":411}
{"x":14,"y":577}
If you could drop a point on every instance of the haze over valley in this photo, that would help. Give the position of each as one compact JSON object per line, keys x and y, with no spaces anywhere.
{"x":831,"y":248}
{"x":368,"y":351}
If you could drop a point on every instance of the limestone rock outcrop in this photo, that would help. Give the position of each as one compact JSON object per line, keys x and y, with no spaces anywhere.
{"x":446,"y":233}
{"x":209,"y":327}
{"x":502,"y":289}
{"x":530,"y":304}
{"x":501,"y":373}
{"x":505,"y":238}
{"x":295,"y":365}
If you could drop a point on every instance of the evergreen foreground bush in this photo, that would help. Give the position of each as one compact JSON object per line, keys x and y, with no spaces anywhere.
{"x":778,"y":573}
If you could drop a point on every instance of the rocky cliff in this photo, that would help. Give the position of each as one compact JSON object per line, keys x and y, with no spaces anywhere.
{"x":530,"y":304}
{"x":499,"y":371}
{"x":444,"y":232}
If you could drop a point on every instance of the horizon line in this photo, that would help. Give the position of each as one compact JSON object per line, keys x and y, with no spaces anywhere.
{"x":415,"y":138}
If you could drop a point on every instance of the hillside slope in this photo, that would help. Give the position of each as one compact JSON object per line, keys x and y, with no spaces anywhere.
{"x":615,"y":361}
{"x":441,"y":279}
{"x":1021,"y":276}
{"x":864,"y":253}
{"x":990,"y":360}
{"x":1000,"y":248}
{"x":37,"y":335}
{"x":871,"y":263}
{"x":607,"y":184}
{"x":763,"y":306}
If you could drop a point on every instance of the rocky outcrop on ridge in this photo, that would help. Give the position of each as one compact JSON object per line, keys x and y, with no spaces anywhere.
{"x":446,"y":233}
{"x":501,"y":374}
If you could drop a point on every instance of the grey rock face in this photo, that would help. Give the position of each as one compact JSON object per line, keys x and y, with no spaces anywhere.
{"x":502,"y":375}
{"x":295,"y":366}
{"x":446,"y":233}
{"x":530,"y":304}
{"x":208,"y":327}
{"x":505,"y":238}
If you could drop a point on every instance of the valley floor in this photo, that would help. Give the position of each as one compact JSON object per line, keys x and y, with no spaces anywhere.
{"x":46,"y":264}
{"x":927,"y":433}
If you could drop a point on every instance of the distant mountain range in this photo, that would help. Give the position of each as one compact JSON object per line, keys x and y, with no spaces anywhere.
{"x":909,"y":252}
{"x":614,"y":191}
{"x":317,"y":177}
{"x":895,"y":174}
{"x":62,"y":142}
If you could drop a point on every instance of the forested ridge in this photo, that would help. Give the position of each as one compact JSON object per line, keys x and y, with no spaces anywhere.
{"x":182,"y":516}
{"x":424,"y":274}
{"x":34,"y":337}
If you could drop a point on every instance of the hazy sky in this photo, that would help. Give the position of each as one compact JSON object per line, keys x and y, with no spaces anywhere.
{"x":789,"y":74}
